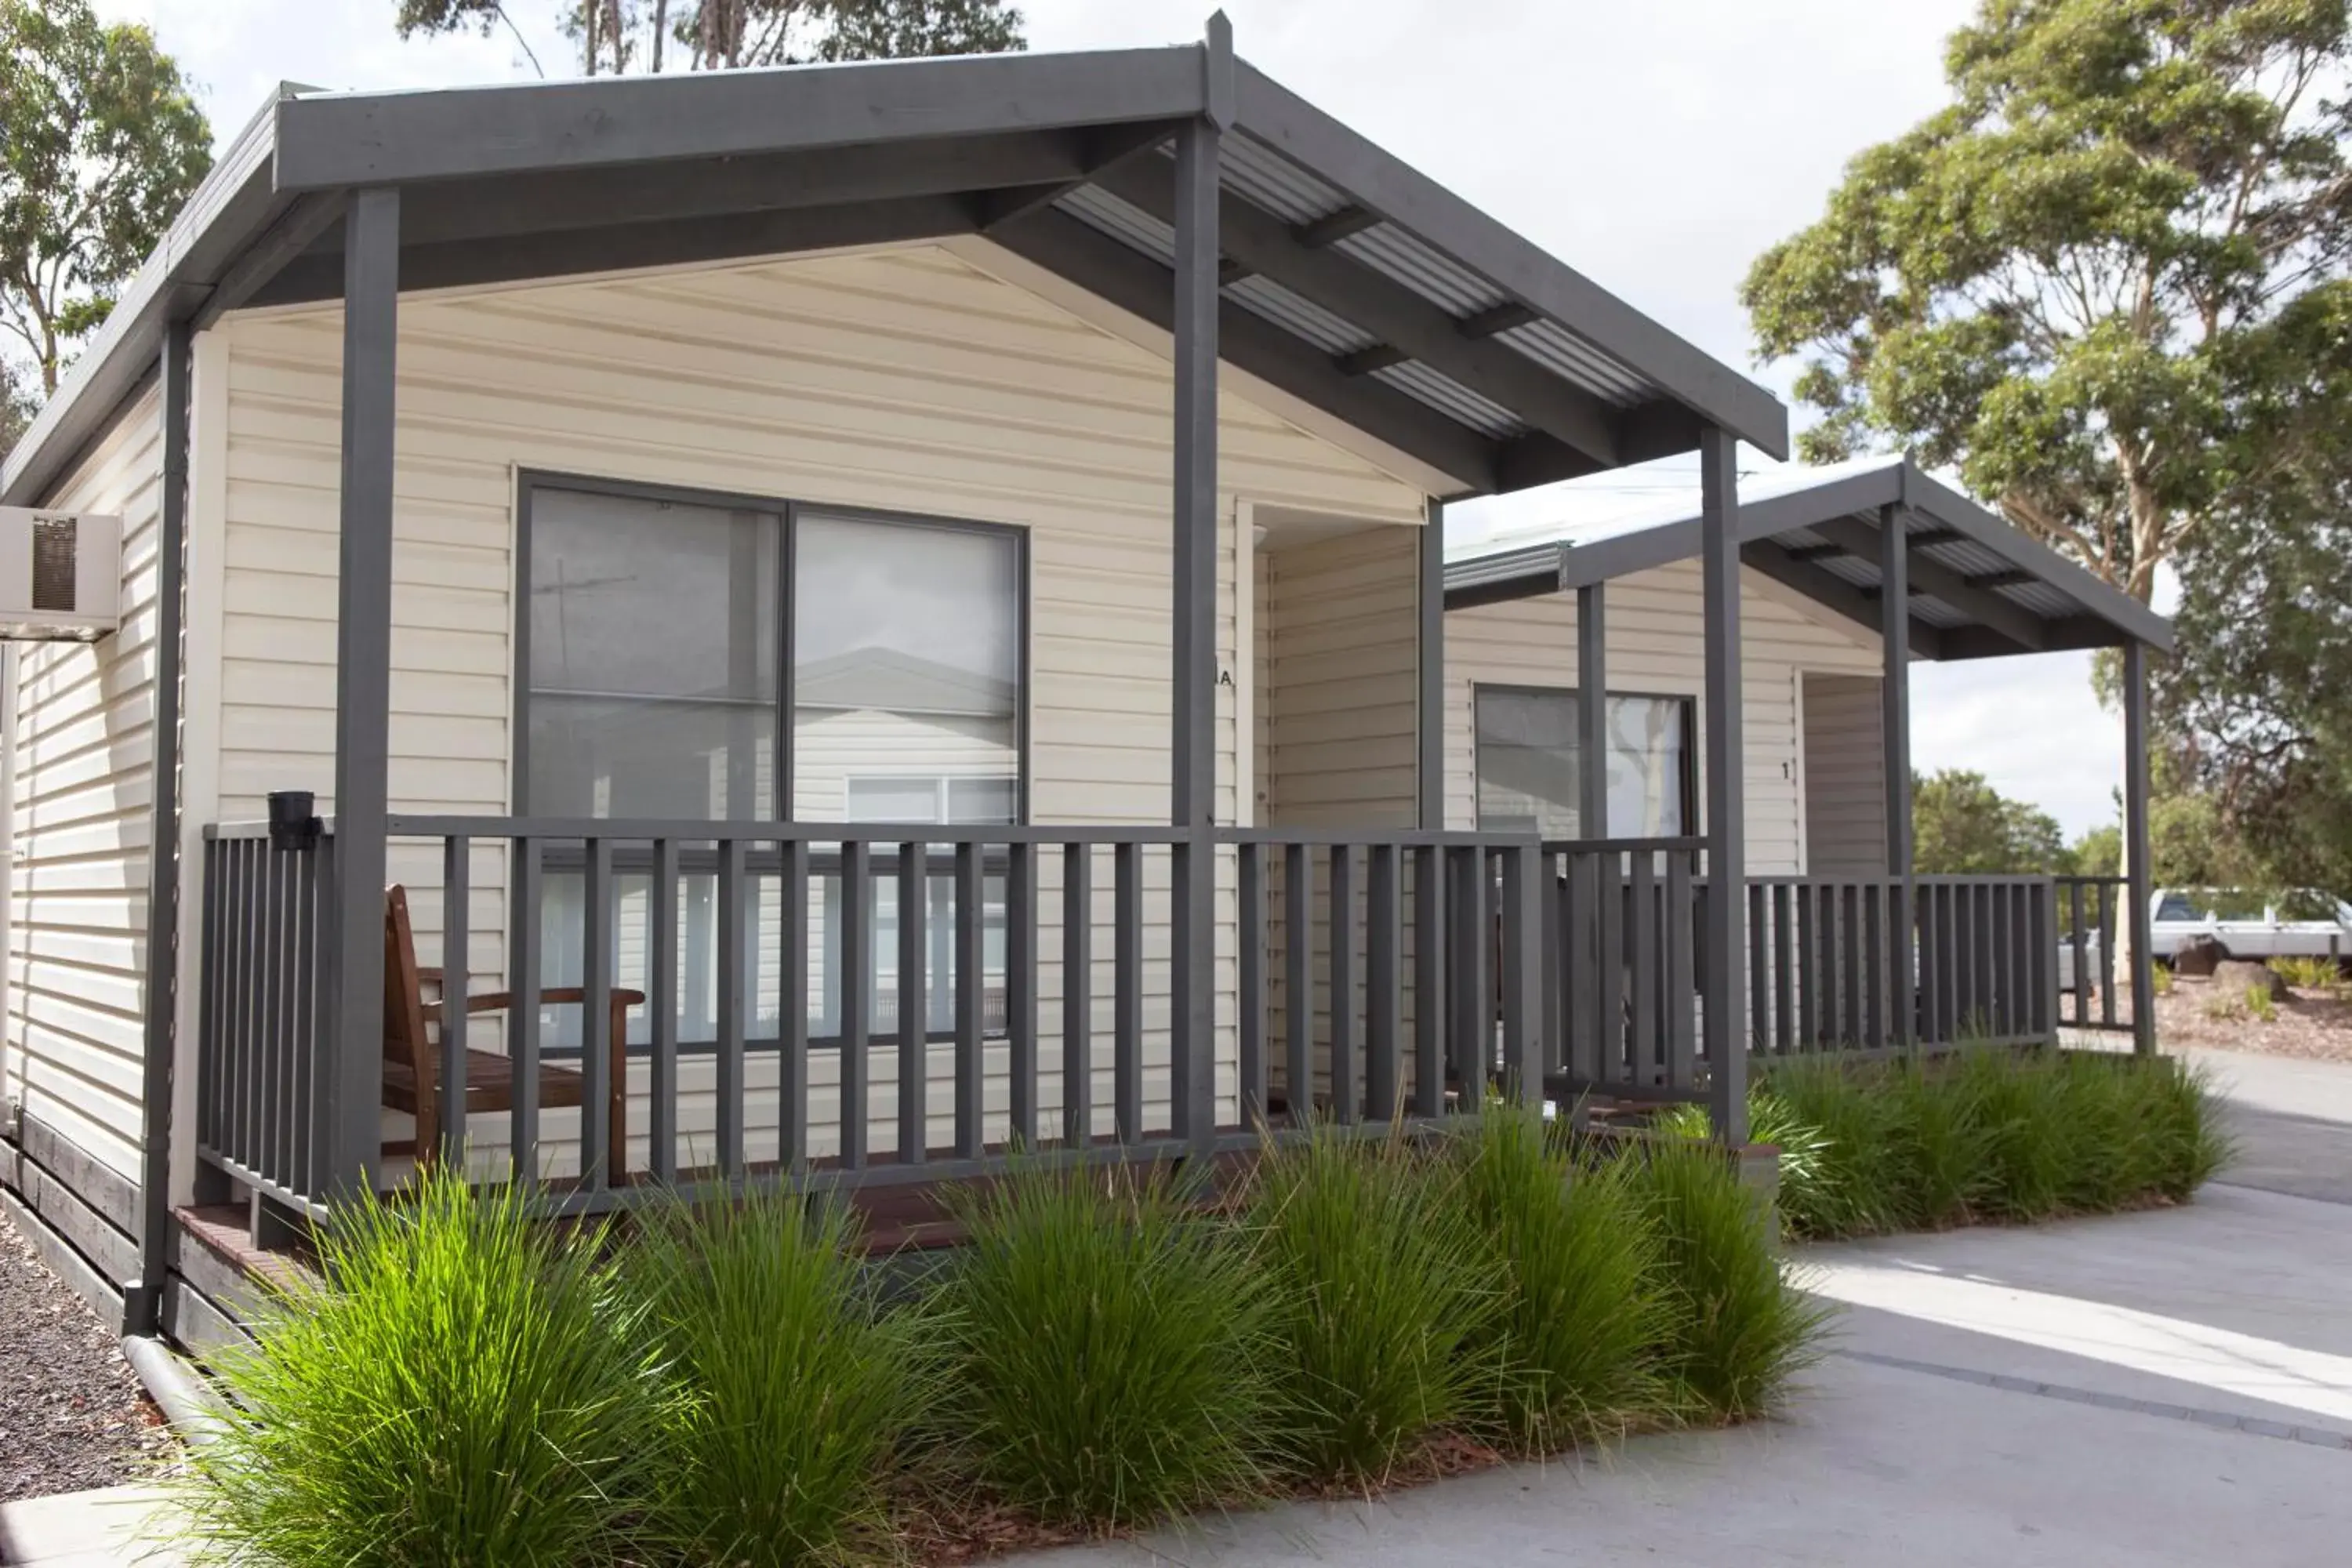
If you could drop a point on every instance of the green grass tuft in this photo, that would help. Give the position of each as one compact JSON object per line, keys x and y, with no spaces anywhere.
{"x":467,"y":1388}
{"x":1111,"y":1349}
{"x":1740,"y":1329}
{"x":792,"y":1389}
{"x":1571,"y":1352}
{"x":1383,"y":1282}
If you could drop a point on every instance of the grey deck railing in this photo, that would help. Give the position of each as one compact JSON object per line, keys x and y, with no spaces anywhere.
{"x":2090,"y":911}
{"x":262,"y":1020}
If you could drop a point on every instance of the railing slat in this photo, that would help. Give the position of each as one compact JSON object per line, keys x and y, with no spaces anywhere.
{"x":1613,"y":1063}
{"x":1641,"y":934}
{"x":1078,"y":995}
{"x":457,"y":944}
{"x":1759,"y":1014}
{"x":522,"y":1017}
{"x":857,"y":986}
{"x":1580,"y":960}
{"x":1853,"y":1032}
{"x":1339,"y":976}
{"x":595,"y":1017}
{"x":914,"y":893}
{"x":1784,"y":991}
{"x":1429,"y":1003}
{"x":1252,"y":999}
{"x":1298,"y":983}
{"x":1682,"y":984}
{"x":1127,"y":989}
{"x":1021,"y":919}
{"x":661,"y":1004}
{"x":792,"y":1012}
{"x":729,"y":1010}
{"x":971,"y":1066}
{"x":1524,"y":1050}
{"x":1877,"y":957}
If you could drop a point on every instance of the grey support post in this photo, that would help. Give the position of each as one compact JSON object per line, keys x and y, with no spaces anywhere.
{"x":143,"y":1304}
{"x":1725,"y":930}
{"x":2141,"y":882}
{"x":1895,"y":692}
{"x":1193,"y":738}
{"x":1429,"y":693}
{"x":1592,"y":712}
{"x":364,"y":688}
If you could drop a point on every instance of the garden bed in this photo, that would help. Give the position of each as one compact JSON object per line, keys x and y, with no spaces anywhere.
{"x":72,"y":1416}
{"x":1103,"y":1352}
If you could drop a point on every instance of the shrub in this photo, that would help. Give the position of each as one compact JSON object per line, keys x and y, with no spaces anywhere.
{"x":2260,"y":1005}
{"x":2225,"y":1007}
{"x":1110,"y":1346}
{"x":791,"y":1388}
{"x":466,"y":1388}
{"x":2160,"y":977}
{"x":1572,"y":1349}
{"x":2307,"y":974}
{"x":1739,"y":1331}
{"x":2034,"y":1142}
{"x":1938,"y":1167}
{"x":1382,"y":1282}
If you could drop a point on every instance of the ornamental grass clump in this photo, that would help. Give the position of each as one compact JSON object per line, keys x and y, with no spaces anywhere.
{"x":791,"y":1389}
{"x":1382,"y":1282}
{"x":1738,"y":1330}
{"x":1110,"y":1348}
{"x":1571,"y":1352}
{"x":465,"y":1387}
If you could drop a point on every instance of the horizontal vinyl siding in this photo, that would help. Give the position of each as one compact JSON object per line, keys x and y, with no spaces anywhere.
{"x":1656,"y":643}
{"x":82,"y":793}
{"x":909,"y":380}
{"x":1845,"y":775}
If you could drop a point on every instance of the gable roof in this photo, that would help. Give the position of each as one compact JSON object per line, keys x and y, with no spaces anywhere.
{"x":1350,"y":280}
{"x":1979,"y":587}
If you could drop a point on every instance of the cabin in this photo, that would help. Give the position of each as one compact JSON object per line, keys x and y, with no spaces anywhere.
{"x":834,"y":624}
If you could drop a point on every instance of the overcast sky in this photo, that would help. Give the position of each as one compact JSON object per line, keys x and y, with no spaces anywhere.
{"x":1654,"y":147}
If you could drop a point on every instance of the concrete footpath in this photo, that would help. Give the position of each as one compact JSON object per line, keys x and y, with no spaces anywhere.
{"x":106,"y":1528}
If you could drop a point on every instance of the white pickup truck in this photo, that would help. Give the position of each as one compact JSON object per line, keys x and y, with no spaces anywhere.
{"x":2298,"y":923}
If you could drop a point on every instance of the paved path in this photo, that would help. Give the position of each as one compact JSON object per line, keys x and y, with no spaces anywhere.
{"x":106,"y":1528}
{"x":2293,"y":1120}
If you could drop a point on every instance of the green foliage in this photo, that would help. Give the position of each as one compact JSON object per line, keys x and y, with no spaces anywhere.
{"x":2094,"y":282}
{"x":2260,"y":1005}
{"x":101,"y":142}
{"x":1740,"y":1329}
{"x":2098,"y":853}
{"x":2160,"y":977}
{"x":1995,"y":1134}
{"x":792,"y":1390}
{"x":1571,"y":1352}
{"x":616,"y":37}
{"x":1112,"y":1348}
{"x":1961,"y":824}
{"x":1384,"y":1281}
{"x":2307,"y":974}
{"x":2225,"y":1007}
{"x":466,"y":1389}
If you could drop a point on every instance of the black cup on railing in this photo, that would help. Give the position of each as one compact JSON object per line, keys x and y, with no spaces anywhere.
{"x":293,"y":819}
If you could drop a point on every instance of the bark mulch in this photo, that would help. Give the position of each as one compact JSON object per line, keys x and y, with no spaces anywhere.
{"x":72,"y":1416}
{"x":2313,"y":1025}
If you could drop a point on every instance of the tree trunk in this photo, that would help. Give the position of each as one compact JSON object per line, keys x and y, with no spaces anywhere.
{"x":661,"y":27}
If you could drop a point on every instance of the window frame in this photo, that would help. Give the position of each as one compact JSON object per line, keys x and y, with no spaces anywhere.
{"x":1686,"y":785}
{"x":788,"y":512}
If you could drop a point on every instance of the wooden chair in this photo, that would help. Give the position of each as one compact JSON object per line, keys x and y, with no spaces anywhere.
{"x":412,"y":1051}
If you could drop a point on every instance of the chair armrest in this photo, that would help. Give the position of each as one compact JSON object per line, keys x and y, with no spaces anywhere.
{"x":499,"y":1000}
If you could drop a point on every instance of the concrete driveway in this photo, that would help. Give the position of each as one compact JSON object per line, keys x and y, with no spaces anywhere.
{"x":2165,"y":1388}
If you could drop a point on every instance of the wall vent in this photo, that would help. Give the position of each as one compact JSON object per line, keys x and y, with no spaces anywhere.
{"x":60,"y":575}
{"x":54,"y":550}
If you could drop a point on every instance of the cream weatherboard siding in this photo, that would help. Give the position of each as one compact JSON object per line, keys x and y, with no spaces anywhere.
{"x":909,"y":380}
{"x":1845,"y":775}
{"x":1656,"y":641}
{"x":81,"y":791}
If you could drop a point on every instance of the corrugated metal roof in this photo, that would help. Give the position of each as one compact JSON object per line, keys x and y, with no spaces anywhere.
{"x":1564,"y":353}
{"x":1453,"y":399}
{"x":1252,"y":169}
{"x":1297,"y":314}
{"x":1122,"y":221}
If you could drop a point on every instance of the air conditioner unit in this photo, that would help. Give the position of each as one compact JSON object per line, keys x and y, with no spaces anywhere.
{"x":60,"y":575}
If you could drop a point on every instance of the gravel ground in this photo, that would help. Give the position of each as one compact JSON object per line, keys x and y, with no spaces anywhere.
{"x":2312,"y":1024}
{"x":72,"y":1416}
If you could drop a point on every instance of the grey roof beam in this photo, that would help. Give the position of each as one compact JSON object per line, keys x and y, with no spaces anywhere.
{"x":615,"y":248}
{"x":1832,"y":593}
{"x":587,"y":198}
{"x":1101,"y":148}
{"x":1538,"y":458}
{"x":1815,"y":552}
{"x":2012,"y":619}
{"x":2068,"y":634}
{"x":302,"y":226}
{"x":1929,"y":538}
{"x":1334,"y":226}
{"x":1525,"y":272}
{"x":1364,"y":362}
{"x":1528,"y":573}
{"x":1391,"y":313}
{"x":1496,"y":319}
{"x":1144,"y":288}
{"x":2007,"y":577}
{"x":352,"y":139}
